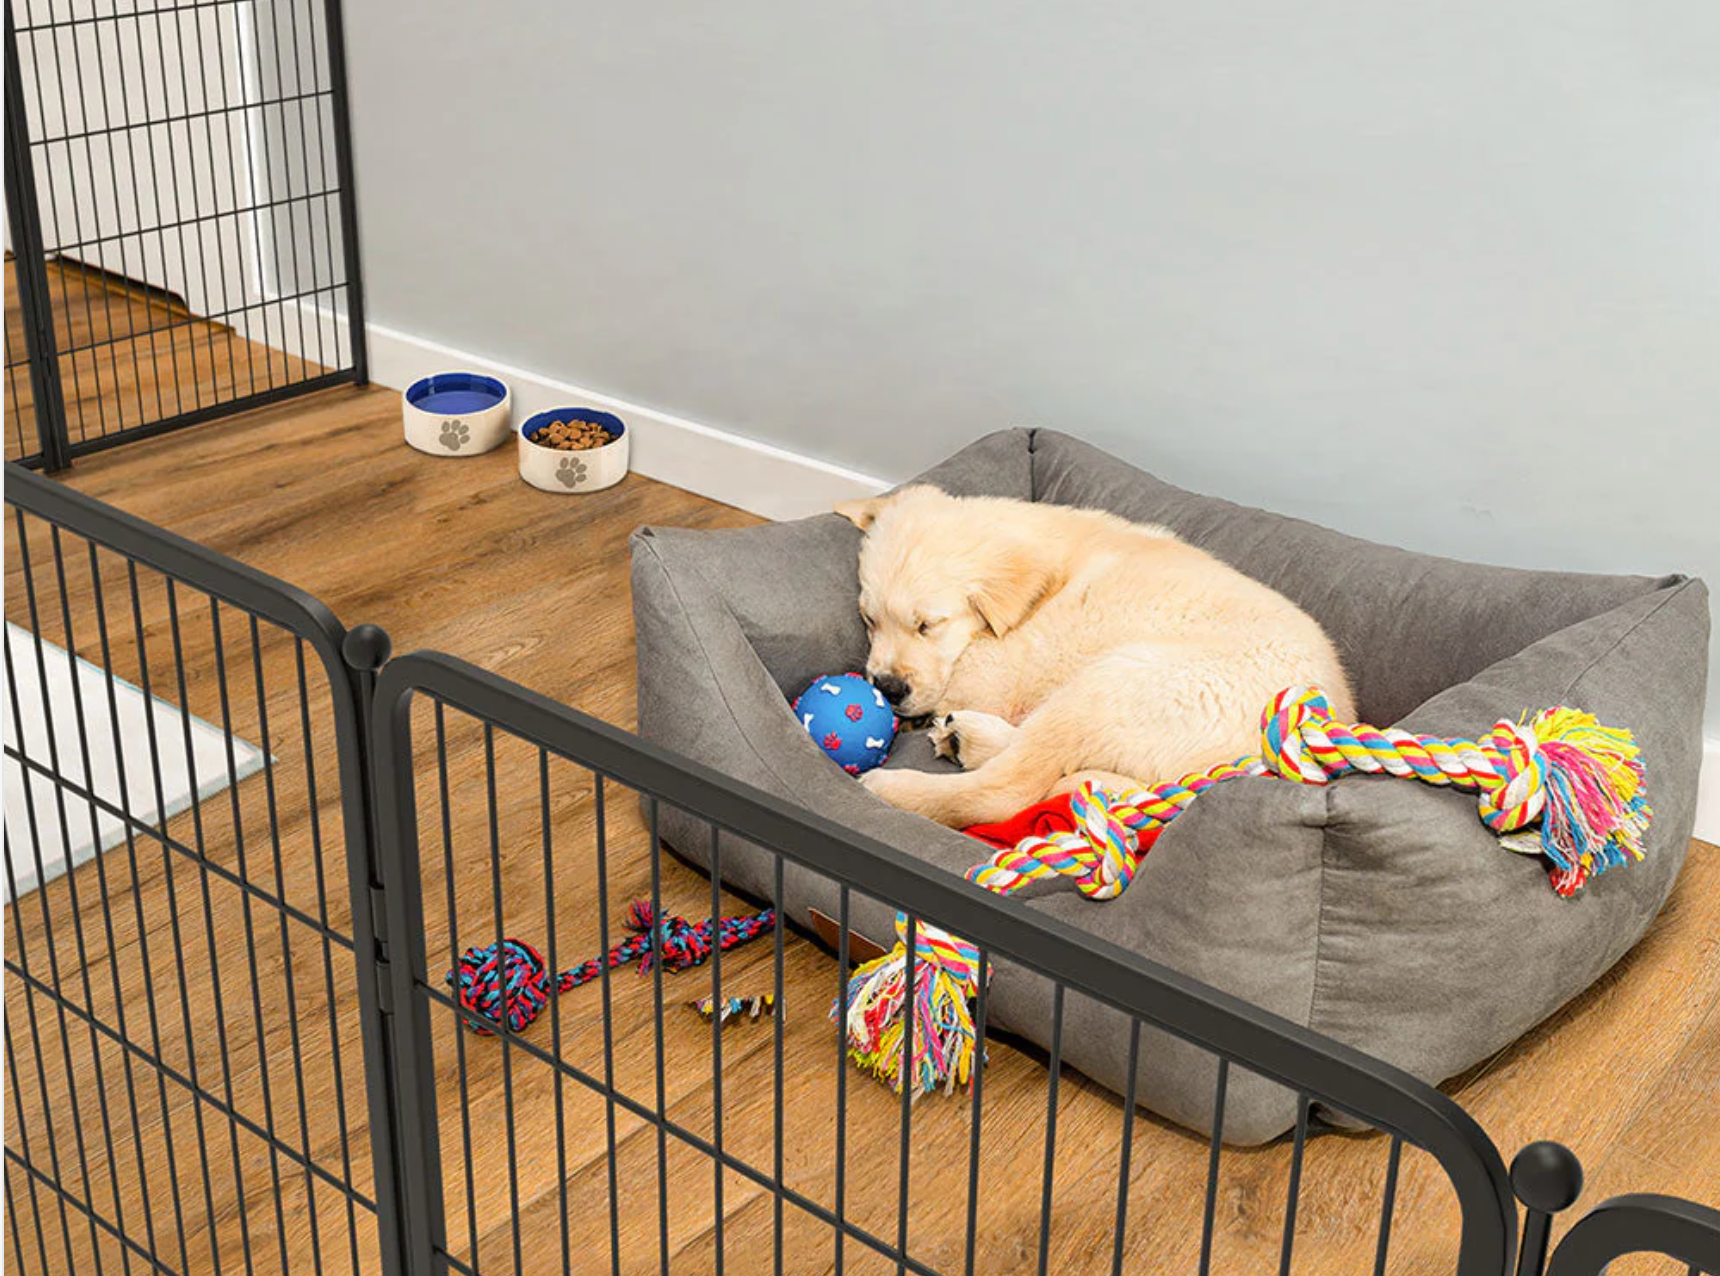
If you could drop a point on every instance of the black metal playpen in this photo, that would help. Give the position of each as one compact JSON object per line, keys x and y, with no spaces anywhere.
{"x":180,"y":216}
{"x":251,"y":844}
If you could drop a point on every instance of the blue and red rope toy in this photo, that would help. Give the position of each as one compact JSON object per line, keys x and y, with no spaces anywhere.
{"x":514,"y":986}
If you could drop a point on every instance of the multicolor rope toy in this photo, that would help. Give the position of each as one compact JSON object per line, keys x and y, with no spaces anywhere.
{"x":728,"y":1008}
{"x":1583,"y":782}
{"x":514,"y":986}
{"x":946,"y":976}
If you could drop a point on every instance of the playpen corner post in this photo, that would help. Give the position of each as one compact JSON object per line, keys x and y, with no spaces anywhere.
{"x":411,"y":1062}
{"x":1547,"y":1178}
{"x":24,"y":216}
{"x":334,"y":22}
{"x":363,"y":651}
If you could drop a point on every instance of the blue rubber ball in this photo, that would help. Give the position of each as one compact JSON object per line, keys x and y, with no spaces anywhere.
{"x":850,"y":720}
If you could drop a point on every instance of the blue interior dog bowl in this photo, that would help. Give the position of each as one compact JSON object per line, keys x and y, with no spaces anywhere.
{"x":455,"y":393}
{"x":456,"y":413}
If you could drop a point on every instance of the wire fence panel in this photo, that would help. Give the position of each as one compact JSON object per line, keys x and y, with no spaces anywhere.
{"x":188,"y":194}
{"x":256,"y":879}
{"x":187,"y":1085}
{"x":626,"y":1131}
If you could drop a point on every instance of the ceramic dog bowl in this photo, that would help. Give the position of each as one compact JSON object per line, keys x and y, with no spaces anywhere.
{"x":456,"y":413}
{"x":590,"y":470}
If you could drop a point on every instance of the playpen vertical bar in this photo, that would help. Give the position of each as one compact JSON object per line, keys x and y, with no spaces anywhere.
{"x":57,"y":994}
{"x":608,"y":1025}
{"x":314,"y":806}
{"x":544,"y":822}
{"x":12,"y":1213}
{"x":1388,"y":1201}
{"x":907,"y":1078}
{"x":1128,"y":1148}
{"x":1293,"y":1197}
{"x":288,"y":979}
{"x":1054,"y":1070}
{"x":94,"y":202}
{"x":504,"y":1029}
{"x":227,"y":297}
{"x":175,"y":927}
{"x":447,"y":819}
{"x":1210,"y":1213}
{"x":977,"y":1087}
{"x":777,"y":938}
{"x":75,"y":205}
{"x":717,"y":1045}
{"x":127,"y":1065}
{"x":657,"y":1033}
{"x":841,"y":1198}
{"x":22,"y":1129}
{"x":124,"y":795}
{"x":218,"y":999}
{"x":341,"y":110}
{"x":246,"y":914}
{"x":155,"y":200}
{"x":29,"y":266}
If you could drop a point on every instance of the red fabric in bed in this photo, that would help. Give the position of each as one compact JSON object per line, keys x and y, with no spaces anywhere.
{"x":1042,"y":819}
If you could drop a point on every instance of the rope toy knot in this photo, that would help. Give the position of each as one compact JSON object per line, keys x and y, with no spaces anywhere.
{"x":947,"y":975}
{"x":511,"y":988}
{"x":509,"y":983}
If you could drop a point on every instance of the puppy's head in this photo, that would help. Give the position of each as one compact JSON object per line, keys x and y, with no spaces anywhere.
{"x":938,"y":573}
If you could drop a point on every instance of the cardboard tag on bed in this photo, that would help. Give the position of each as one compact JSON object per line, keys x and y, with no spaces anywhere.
{"x":860,"y":949}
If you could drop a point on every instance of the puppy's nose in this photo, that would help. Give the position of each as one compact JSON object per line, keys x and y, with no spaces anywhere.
{"x":894,"y":689}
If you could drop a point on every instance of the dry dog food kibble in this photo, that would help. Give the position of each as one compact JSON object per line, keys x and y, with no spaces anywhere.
{"x":572,"y":436}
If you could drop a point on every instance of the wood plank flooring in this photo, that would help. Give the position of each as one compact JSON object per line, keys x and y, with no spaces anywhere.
{"x":458,"y":555}
{"x":130,"y":356}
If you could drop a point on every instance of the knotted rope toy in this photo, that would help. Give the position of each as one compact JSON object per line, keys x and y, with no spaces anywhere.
{"x":1582,"y":781}
{"x":946,"y":975}
{"x":513,"y":986}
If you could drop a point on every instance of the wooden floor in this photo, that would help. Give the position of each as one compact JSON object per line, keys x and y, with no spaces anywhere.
{"x":460,"y":556}
{"x":130,"y":356}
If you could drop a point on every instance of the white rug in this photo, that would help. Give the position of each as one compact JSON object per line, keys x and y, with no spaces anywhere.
{"x":207,"y":756}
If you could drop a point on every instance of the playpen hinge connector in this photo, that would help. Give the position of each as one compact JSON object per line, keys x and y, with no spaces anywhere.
{"x":384,"y":986}
{"x":379,"y":921}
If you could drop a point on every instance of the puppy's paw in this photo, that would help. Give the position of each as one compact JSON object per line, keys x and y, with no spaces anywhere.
{"x":970,"y":738}
{"x":942,"y":734}
{"x":892,"y":786}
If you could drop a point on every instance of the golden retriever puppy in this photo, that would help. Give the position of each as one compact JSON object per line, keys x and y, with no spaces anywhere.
{"x":1052,"y":646}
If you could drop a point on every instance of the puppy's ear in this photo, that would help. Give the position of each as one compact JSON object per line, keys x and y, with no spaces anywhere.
{"x":1014,"y":589}
{"x":865,"y":512}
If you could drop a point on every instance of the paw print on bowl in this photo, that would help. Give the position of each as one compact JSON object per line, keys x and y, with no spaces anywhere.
{"x":571,"y":472}
{"x":455,"y":435}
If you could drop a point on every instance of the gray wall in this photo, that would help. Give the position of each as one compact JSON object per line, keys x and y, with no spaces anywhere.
{"x":1446,"y":275}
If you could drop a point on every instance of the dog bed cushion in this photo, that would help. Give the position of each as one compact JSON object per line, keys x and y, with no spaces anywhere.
{"x":1377,"y":912}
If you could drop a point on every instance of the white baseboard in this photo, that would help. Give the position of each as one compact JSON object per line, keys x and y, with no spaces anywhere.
{"x":753,"y":476}
{"x":1708,"y":793}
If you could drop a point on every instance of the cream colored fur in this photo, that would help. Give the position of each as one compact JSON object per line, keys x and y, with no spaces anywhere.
{"x":1052,"y":645}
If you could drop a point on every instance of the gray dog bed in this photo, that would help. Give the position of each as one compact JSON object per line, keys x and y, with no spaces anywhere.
{"x":1378,"y":911}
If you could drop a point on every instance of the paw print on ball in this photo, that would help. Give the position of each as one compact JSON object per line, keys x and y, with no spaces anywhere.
{"x":855,"y":713}
{"x":571,"y":472}
{"x":455,"y":435}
